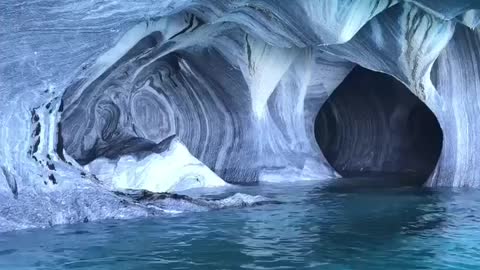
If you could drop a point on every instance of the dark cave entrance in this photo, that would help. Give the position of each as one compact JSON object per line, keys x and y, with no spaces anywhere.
{"x":373,"y":125}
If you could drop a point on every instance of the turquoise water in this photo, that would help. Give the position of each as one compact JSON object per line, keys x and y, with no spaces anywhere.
{"x":314,"y":227}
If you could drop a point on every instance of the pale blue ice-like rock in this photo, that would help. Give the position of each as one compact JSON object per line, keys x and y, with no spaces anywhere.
{"x":172,"y":170}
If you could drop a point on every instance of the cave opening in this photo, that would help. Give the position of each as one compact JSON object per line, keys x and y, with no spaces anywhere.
{"x":373,"y":125}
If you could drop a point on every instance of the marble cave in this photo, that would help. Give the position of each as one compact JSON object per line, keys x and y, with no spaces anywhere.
{"x":110,"y":109}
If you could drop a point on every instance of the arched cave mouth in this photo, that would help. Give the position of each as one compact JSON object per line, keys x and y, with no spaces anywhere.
{"x":373,"y":125}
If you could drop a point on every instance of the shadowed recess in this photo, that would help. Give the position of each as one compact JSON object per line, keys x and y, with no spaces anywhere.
{"x":372,"y":124}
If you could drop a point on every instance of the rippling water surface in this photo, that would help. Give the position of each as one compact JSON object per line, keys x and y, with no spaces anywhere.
{"x":315,"y":227}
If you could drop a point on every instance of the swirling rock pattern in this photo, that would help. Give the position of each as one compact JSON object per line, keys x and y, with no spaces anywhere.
{"x":230,"y":102}
{"x":238,"y":82}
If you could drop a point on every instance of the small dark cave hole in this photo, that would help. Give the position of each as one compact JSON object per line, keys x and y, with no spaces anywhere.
{"x":373,"y":126}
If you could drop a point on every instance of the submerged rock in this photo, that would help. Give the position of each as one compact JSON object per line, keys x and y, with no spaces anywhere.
{"x":175,"y":203}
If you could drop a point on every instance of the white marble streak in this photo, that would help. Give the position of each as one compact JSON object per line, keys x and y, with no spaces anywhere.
{"x":266,"y":66}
